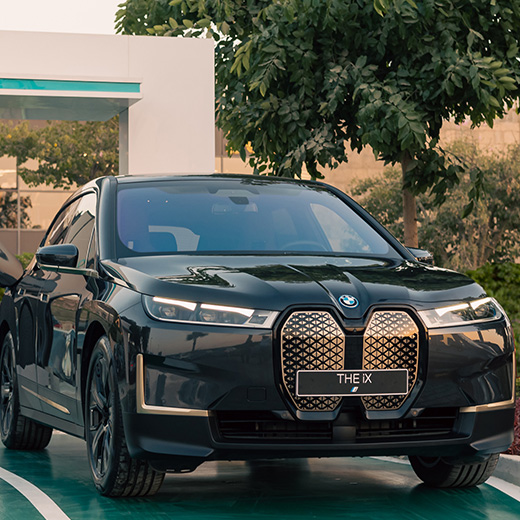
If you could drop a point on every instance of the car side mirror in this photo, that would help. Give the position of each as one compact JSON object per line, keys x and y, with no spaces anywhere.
{"x":421,"y":255}
{"x":11,"y":269}
{"x":60,"y":255}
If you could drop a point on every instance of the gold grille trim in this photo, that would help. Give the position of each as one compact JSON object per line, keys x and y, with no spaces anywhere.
{"x":391,"y":340}
{"x":311,"y":340}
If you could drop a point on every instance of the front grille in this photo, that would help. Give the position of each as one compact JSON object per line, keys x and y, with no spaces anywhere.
{"x":435,"y":422}
{"x":265,"y":426}
{"x":311,"y":340}
{"x":391,"y":341}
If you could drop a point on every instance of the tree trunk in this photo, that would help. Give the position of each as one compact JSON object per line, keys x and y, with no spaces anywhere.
{"x":409,"y":209}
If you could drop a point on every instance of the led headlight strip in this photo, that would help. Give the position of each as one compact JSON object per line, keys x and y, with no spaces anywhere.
{"x":180,"y":311}
{"x":465,"y":313}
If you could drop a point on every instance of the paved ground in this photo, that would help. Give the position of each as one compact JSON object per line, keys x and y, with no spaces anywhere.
{"x":56,"y":482}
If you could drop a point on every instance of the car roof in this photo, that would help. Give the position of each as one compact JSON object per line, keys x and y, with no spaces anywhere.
{"x":125,"y":179}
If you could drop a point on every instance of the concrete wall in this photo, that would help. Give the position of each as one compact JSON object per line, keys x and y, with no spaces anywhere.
{"x":169,"y":124}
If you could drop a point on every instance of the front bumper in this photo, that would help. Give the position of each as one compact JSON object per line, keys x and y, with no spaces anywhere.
{"x":209,"y":393}
{"x":179,"y":443}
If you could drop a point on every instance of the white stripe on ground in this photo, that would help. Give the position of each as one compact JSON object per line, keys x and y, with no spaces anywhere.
{"x":506,"y":487}
{"x":392,"y":459}
{"x":47,"y":507}
{"x":509,"y":489}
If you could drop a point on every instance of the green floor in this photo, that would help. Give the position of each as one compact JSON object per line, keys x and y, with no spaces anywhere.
{"x":318,"y":489}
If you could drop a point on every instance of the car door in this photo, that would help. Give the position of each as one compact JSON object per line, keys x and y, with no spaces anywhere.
{"x":60,"y":298}
{"x":26,"y":299}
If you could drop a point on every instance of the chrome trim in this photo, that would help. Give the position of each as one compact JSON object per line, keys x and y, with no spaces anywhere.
{"x":69,"y":270}
{"x":144,"y":408}
{"x":47,"y":401}
{"x":489,"y":407}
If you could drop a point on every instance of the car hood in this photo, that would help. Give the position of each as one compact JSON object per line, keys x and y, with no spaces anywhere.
{"x":277,"y":282}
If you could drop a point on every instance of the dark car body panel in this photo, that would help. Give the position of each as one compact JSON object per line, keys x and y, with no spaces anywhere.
{"x":186,"y":389}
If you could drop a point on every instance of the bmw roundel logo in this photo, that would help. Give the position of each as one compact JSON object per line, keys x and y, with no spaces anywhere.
{"x":348,"y":301}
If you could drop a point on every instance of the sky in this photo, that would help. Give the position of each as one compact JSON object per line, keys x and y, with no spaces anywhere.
{"x":70,"y":16}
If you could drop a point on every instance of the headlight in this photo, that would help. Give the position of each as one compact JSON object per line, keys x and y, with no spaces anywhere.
{"x":167,"y":309}
{"x":476,"y":311}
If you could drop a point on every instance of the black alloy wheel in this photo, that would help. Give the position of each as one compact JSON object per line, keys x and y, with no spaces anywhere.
{"x":114,"y":472}
{"x":7,"y":386}
{"x":17,"y":432}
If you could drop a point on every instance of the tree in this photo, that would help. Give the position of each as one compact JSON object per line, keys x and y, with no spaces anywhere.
{"x":68,"y":152}
{"x":489,"y":233}
{"x":298,"y":79}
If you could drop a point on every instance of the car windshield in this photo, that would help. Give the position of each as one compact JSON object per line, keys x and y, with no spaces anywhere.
{"x":239,"y":216}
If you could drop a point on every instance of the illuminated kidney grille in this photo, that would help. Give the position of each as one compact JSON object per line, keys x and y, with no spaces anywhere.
{"x":311,"y":340}
{"x":391,"y":340}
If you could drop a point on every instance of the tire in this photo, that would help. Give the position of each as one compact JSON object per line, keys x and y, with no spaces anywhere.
{"x":114,"y":472}
{"x":17,"y":432}
{"x":436,"y":472}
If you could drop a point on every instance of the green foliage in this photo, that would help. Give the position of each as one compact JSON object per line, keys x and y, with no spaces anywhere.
{"x":25,"y":259}
{"x":298,"y":79}
{"x":68,"y":152}
{"x":502,"y":281}
{"x":489,"y":233}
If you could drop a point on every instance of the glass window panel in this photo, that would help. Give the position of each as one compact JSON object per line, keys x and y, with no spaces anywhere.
{"x":8,"y":210}
{"x":41,"y":207}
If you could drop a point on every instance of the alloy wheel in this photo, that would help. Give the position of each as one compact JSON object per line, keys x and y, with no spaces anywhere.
{"x":101,"y":418}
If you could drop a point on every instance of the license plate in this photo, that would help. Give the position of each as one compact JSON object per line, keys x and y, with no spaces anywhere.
{"x":340,"y":383}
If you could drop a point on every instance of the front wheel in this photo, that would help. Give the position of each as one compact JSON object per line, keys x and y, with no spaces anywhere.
{"x":436,"y":472}
{"x":114,"y":472}
{"x":17,"y":432}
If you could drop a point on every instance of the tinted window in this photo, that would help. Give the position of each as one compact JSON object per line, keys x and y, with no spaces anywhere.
{"x":75,"y":225}
{"x":58,"y":231}
{"x":239,"y":216}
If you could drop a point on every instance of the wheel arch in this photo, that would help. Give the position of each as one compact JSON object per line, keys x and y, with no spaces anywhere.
{"x":94,"y":332}
{"x":8,"y":319}
{"x":4,"y":329}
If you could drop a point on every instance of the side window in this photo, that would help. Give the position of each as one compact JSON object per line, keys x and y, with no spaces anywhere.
{"x":92,"y":252}
{"x":58,"y":231}
{"x":81,"y":227}
{"x":75,"y":225}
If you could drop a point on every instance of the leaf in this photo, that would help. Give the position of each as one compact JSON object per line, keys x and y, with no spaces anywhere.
{"x":513,"y":51}
{"x":468,"y":209}
{"x":494,"y":101}
{"x":187,"y":23}
{"x":204,"y":23}
{"x":173,"y":23}
{"x":380,"y":7}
